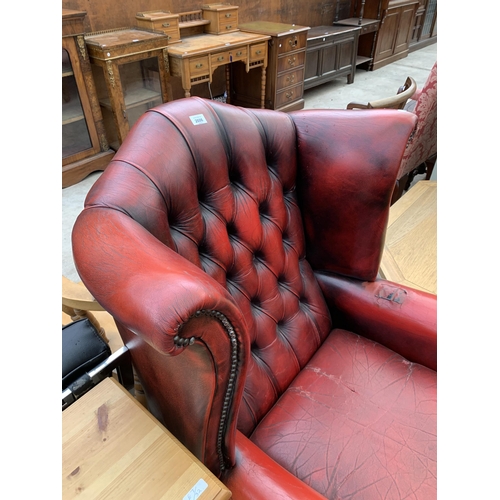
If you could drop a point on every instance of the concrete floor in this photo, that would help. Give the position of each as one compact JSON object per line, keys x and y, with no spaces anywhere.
{"x":368,"y":85}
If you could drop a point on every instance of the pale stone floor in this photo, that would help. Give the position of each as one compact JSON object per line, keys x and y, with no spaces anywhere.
{"x":368,"y":85}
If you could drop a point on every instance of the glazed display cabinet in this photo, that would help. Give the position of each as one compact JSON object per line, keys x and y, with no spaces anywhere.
{"x":131,"y":74}
{"x":85,"y":147}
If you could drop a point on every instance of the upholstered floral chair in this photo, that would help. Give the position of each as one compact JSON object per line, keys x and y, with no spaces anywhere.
{"x":421,"y":154}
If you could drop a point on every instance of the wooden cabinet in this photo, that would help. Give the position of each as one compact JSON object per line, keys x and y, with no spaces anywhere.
{"x":425,"y":26}
{"x":130,"y":69}
{"x":387,"y":27}
{"x":396,"y":27}
{"x":84,"y":145}
{"x":331,"y":53}
{"x":285,"y":70}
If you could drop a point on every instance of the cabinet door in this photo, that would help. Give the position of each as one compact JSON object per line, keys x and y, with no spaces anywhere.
{"x":345,"y":54}
{"x":405,"y":28}
{"x":79,"y":135}
{"x":313,"y":68}
{"x":329,"y":62}
{"x":387,"y":34}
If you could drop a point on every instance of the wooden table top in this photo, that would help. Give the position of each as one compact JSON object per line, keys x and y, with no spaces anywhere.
{"x":206,"y":43}
{"x":113,"y":448}
{"x":410,"y":252}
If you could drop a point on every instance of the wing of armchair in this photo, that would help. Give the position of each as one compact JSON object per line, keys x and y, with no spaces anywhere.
{"x":238,"y":251}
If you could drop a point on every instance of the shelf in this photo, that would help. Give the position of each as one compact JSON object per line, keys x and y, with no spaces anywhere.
{"x":67,"y":71}
{"x":72,"y":112}
{"x":362,"y":60}
{"x":134,"y":98}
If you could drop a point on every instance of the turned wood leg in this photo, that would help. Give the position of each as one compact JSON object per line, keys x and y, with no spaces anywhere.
{"x":187,"y":92}
{"x":263,"y":88}
{"x":350,"y":78}
{"x":139,"y":394}
{"x":228,"y":84}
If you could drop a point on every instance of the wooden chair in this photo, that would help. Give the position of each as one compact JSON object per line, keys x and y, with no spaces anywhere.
{"x":397,"y":101}
{"x":78,"y":303}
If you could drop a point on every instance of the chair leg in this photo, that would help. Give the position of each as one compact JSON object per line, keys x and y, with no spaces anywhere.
{"x":398,"y":189}
{"x":140,"y":396}
{"x":429,"y":164}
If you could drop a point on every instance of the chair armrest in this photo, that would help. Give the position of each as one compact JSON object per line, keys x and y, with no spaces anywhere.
{"x":257,"y":476}
{"x":165,"y":305}
{"x":398,"y":317}
{"x":357,"y":105}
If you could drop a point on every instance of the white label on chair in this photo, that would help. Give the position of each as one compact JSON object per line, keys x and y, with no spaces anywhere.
{"x":196,"y":490}
{"x":198,"y":119}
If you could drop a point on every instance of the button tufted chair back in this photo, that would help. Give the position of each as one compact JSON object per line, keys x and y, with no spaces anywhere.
{"x":204,"y":238}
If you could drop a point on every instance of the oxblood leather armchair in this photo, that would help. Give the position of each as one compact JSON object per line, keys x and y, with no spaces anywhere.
{"x":238,"y":252}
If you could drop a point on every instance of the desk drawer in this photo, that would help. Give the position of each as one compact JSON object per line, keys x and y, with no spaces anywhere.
{"x":289,"y":79}
{"x":198,"y":66}
{"x":258,"y":51}
{"x":291,"y":61}
{"x":292,"y":42}
{"x":289,"y":95}
{"x":369,"y":28}
{"x":160,"y":21}
{"x":229,"y":56}
{"x":223,"y":18}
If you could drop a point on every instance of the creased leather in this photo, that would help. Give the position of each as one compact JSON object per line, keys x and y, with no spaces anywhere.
{"x":359,"y":422}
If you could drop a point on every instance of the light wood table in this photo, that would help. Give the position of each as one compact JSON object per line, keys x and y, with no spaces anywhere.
{"x":410,"y":252}
{"x":197,"y":57}
{"x":115,"y":449}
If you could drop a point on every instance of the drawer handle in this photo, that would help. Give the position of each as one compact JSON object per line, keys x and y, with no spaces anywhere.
{"x":228,"y":15}
{"x":166,"y":25}
{"x":290,"y":79}
{"x":239,"y":53}
{"x":291,"y":61}
{"x":220,"y":58}
{"x":228,"y":27}
{"x":169,"y":37}
{"x":258,"y":52}
{"x":199,"y":65}
{"x":289,"y":95}
{"x":293,"y":43}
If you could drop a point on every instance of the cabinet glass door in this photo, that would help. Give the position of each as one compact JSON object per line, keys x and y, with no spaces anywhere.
{"x":128,"y":95}
{"x":75,"y":133}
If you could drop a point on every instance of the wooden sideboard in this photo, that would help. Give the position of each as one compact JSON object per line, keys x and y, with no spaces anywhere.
{"x":331,"y":53}
{"x":285,"y":72}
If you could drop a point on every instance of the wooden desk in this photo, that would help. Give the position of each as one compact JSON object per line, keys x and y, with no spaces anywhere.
{"x":197,"y":57}
{"x":410,"y":250}
{"x":113,"y":448}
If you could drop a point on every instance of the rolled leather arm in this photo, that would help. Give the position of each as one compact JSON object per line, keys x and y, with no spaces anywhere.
{"x":401,"y":318}
{"x":147,"y":287}
{"x":258,"y":477}
{"x":161,"y":299}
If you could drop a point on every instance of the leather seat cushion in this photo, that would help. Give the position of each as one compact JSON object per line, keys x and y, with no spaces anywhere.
{"x":359,"y":421}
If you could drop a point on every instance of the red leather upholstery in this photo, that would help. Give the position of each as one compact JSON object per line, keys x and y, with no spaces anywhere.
{"x":229,"y":244}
